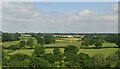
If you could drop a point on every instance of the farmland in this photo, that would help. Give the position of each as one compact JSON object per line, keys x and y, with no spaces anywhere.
{"x":59,"y":51}
{"x":64,"y":42}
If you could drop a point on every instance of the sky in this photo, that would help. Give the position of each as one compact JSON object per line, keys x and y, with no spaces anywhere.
{"x":60,"y":17}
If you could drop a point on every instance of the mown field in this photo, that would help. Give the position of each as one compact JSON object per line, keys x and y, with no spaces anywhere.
{"x":109,"y":47}
{"x":91,"y":52}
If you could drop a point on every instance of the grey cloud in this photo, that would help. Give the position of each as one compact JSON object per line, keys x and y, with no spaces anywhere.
{"x":23,"y":17}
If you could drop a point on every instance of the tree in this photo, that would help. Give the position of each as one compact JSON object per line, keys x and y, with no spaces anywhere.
{"x":36,"y":62}
{"x":44,"y":38}
{"x":113,"y":39}
{"x":117,"y":66}
{"x":18,"y":57}
{"x":14,"y":47}
{"x":10,"y":37}
{"x":118,"y":53}
{"x":69,"y":57}
{"x":40,"y":40}
{"x":22,"y":43}
{"x":19,"y":60}
{"x":56,"y":51}
{"x":85,"y":61}
{"x":39,"y":51}
{"x":50,"y":58}
{"x":85,"y":42}
{"x":112,"y":59}
{"x":98,"y":43}
{"x":48,"y":38}
{"x":5,"y":62}
{"x":3,"y":54}
{"x":117,"y":41}
{"x":30,"y":42}
{"x":17,"y":63}
{"x":99,"y":61}
{"x":71,"y":49}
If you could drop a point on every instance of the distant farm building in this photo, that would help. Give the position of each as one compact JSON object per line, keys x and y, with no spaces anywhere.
{"x":27,"y":35}
{"x":68,"y":36}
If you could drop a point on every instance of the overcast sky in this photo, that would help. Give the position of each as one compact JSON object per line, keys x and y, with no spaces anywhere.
{"x":79,"y":17}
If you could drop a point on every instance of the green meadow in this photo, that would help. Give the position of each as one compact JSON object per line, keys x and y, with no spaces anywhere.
{"x":63,"y":42}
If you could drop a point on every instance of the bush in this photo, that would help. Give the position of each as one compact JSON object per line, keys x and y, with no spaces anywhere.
{"x":22,"y":43}
{"x":14,"y":47}
{"x":39,"y":51}
{"x":30,"y":42}
{"x":99,"y":61}
{"x":36,"y":62}
{"x":98,"y":43}
{"x":19,"y":63}
{"x":71,"y":49}
{"x":18,"y":57}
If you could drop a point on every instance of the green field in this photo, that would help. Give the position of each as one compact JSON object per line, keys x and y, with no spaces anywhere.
{"x":105,"y":51}
{"x":7,"y":44}
{"x":64,"y":42}
{"x":91,"y":52}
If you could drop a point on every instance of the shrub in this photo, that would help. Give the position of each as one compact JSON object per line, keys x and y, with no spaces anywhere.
{"x":14,"y":47}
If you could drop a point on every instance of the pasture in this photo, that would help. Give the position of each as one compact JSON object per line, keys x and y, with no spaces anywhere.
{"x":91,"y":52}
{"x":64,"y":42}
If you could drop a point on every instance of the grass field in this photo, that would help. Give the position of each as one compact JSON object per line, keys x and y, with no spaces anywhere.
{"x":7,"y":44}
{"x":105,"y":51}
{"x":65,"y":42}
{"x":27,"y":52}
{"x":109,"y":44}
{"x":91,"y":52}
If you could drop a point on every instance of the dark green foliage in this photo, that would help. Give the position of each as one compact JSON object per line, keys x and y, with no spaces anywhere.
{"x":48,"y":39}
{"x":49,"y":57}
{"x":69,"y":52}
{"x":98,"y":43}
{"x":39,"y":51}
{"x":3,"y":54}
{"x":69,"y":56}
{"x":30,"y":42}
{"x":118,"y":53}
{"x":5,"y":62}
{"x":72,"y":60}
{"x":82,"y":60}
{"x":117,"y":66}
{"x":44,"y":38}
{"x":73,"y":64}
{"x":14,"y":47}
{"x":19,"y":60}
{"x":40,"y":39}
{"x":56,"y":51}
{"x":10,"y":37}
{"x":92,"y":40}
{"x":85,"y":61}
{"x":112,"y":59}
{"x":22,"y":43}
{"x":19,"y":57}
{"x":85,"y":42}
{"x":36,"y":62}
{"x":113,"y":39}
{"x":117,"y":41}
{"x":71,"y":49}
{"x":99,"y":61}
{"x":52,"y":58}
{"x":19,"y":63}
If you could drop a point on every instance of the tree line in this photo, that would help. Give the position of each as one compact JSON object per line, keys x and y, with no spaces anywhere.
{"x":98,"y":40}
{"x":10,"y":37}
